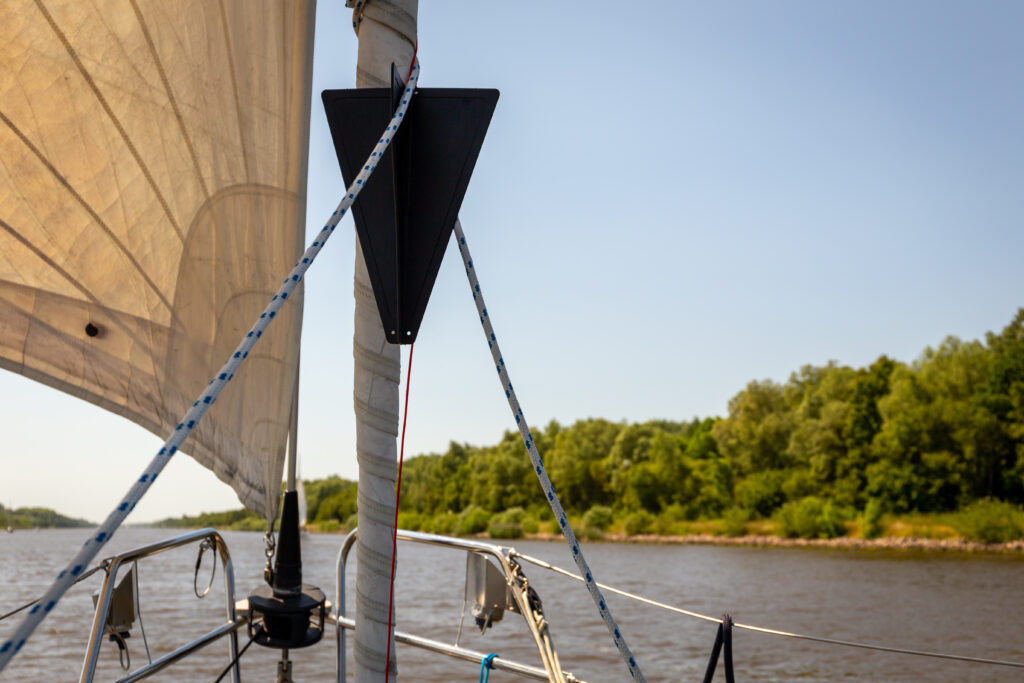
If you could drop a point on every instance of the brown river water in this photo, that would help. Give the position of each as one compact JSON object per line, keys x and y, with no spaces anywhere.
{"x":964,"y":604}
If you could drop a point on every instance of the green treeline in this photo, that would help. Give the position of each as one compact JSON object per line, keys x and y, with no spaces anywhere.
{"x":36,"y":518}
{"x":242,"y":519}
{"x":328,"y":514}
{"x":892,"y":449}
{"x":833,"y":447}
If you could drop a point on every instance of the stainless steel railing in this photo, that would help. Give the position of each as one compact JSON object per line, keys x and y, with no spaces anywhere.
{"x":230,"y":628}
{"x":504,"y":556}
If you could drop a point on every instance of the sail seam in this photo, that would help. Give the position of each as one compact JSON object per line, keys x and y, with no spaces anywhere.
{"x":74,"y":282}
{"x":364,"y":291}
{"x":378,"y":364}
{"x":170,"y":97}
{"x":45,"y":161}
{"x":234,"y":88}
{"x":113,"y":118}
{"x":379,"y":511}
{"x":381,"y":420}
{"x":371,"y":464}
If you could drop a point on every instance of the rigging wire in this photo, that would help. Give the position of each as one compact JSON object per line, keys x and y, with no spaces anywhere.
{"x":538,"y":463}
{"x":138,"y":608}
{"x":256,"y":633}
{"x":394,"y":529}
{"x":83,"y":577}
{"x":771,"y":631}
{"x":465,"y":601}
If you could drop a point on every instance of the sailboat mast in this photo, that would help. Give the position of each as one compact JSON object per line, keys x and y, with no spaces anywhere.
{"x":387,"y":34}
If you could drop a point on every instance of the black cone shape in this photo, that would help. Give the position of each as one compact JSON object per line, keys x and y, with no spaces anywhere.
{"x":288,"y":560}
{"x":405,"y":213}
{"x":287,"y":614}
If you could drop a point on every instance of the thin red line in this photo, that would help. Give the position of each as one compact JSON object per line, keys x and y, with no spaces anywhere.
{"x":398,"y":493}
{"x":401,"y":459}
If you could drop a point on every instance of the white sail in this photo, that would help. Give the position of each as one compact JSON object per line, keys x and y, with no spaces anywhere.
{"x":152,"y":194}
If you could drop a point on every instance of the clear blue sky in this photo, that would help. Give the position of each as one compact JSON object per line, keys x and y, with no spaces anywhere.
{"x":673,"y":199}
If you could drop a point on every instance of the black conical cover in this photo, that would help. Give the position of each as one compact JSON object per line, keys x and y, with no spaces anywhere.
{"x":405,"y":214}
{"x":287,"y":614}
{"x":288,"y":560}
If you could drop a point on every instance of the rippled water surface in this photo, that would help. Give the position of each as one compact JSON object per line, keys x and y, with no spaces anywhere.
{"x":971,"y":605}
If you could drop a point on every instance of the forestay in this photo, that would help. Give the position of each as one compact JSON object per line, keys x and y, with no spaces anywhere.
{"x":152,"y":193}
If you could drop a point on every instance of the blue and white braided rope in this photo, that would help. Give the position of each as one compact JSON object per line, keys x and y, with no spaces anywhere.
{"x":538,"y":464}
{"x":106,"y":530}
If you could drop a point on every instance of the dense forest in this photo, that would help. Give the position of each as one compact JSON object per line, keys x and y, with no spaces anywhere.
{"x":36,"y":518}
{"x":830,"y":445}
{"x":237,"y":520}
{"x":833,"y":450}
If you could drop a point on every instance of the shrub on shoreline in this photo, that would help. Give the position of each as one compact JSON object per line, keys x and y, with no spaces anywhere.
{"x":443,"y":523}
{"x":810,"y":517}
{"x":328,"y":526}
{"x":351,"y":522}
{"x":638,"y":522}
{"x":472,"y":520}
{"x":871,"y":520}
{"x":991,"y":521}
{"x":734,"y":522}
{"x":599,"y":518}
{"x":507,"y":524}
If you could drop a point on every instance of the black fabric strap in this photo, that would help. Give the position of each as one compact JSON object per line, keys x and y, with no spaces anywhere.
{"x":723,"y":637}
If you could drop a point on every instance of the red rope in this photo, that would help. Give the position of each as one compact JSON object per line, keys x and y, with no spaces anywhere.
{"x":398,"y":493}
{"x":401,"y":458}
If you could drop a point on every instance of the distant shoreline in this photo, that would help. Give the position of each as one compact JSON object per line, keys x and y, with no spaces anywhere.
{"x":897,"y":543}
{"x":840,"y":543}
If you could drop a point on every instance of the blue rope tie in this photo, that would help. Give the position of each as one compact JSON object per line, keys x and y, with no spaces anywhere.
{"x":486,"y":664}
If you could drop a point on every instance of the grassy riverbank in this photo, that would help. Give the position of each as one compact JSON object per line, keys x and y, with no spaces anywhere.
{"x":966,"y":531}
{"x":960,"y":532}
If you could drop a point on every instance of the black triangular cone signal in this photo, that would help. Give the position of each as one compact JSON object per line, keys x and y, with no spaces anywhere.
{"x":405,"y":213}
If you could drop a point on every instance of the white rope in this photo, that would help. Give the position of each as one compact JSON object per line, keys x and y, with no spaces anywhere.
{"x":103,"y":534}
{"x":538,"y":464}
{"x":771,"y":631}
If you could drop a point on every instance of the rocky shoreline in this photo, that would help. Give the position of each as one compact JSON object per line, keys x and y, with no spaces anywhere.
{"x":959,"y":545}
